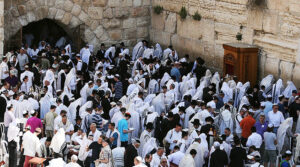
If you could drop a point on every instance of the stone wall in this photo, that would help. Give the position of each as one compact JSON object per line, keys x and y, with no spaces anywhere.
{"x":276,"y":29}
{"x":107,"y":21}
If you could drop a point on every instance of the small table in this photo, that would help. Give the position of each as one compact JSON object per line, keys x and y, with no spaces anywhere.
{"x":37,"y":161}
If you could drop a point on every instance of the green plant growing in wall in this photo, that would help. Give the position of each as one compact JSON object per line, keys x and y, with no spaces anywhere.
{"x":183,"y":13}
{"x":239,"y":35}
{"x":197,"y":16}
{"x":158,"y":9}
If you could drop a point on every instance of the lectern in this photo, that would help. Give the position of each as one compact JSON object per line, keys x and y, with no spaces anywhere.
{"x":241,"y":60}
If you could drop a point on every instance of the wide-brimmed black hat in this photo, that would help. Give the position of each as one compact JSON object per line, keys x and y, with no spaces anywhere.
{"x":196,"y":122}
{"x":209,"y":119}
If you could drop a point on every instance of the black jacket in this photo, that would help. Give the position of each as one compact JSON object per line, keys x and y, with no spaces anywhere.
{"x":129,"y":155}
{"x":218,"y":158}
{"x":237,"y":157}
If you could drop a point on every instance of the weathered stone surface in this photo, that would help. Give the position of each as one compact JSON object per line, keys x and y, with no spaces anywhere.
{"x":121,"y":12}
{"x":139,"y":11}
{"x":41,"y":12}
{"x":99,"y":31}
{"x":52,"y":13}
{"x":286,"y":70}
{"x":108,"y":13}
{"x":255,"y":19}
{"x":14,"y":12}
{"x":170,"y":24}
{"x":158,"y":21}
{"x":143,"y":21}
{"x":142,"y":32}
{"x":130,"y":33}
{"x":296,"y":76}
{"x":271,"y":66}
{"x":68,"y":6}
{"x":76,"y":10}
{"x":59,"y":4}
{"x":30,"y":5}
{"x":59,"y":14}
{"x":74,"y":22}
{"x":160,"y":37}
{"x":101,"y":3}
{"x":88,"y":35}
{"x":67,"y":18}
{"x":270,"y":23}
{"x":22,"y":9}
{"x":146,"y":2}
{"x":129,"y":23}
{"x":111,"y":23}
{"x":114,"y":3}
{"x":95,"y":12}
{"x":83,"y":16}
{"x":115,"y":34}
{"x":137,"y":3}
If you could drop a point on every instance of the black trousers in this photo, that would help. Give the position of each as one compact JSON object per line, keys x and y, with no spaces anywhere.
{"x":12,"y":150}
{"x":22,"y":159}
{"x":244,"y":141}
{"x":124,"y":144}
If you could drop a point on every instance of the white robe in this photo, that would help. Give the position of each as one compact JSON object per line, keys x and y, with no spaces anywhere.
{"x":137,"y":51}
{"x":188,"y":112}
{"x":134,"y":122}
{"x":45,"y":105}
{"x":145,"y":137}
{"x":85,"y":55}
{"x":288,"y":90}
{"x":187,"y":161}
{"x":59,"y":86}
{"x":226,"y":121}
{"x":70,"y":82}
{"x":84,"y":93}
{"x":157,"y":52}
{"x":199,"y":158}
{"x":73,"y":109}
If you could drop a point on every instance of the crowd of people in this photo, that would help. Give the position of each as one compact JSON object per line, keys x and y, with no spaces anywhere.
{"x":147,"y":107}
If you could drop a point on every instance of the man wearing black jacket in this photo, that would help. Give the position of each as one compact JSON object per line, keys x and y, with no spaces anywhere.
{"x":238,"y":154}
{"x":131,"y":153}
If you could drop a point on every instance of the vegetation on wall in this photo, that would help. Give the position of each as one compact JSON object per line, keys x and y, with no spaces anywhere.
{"x":183,"y":13}
{"x":158,"y":9}
{"x":239,"y":35}
{"x":197,"y":16}
{"x":257,"y":4}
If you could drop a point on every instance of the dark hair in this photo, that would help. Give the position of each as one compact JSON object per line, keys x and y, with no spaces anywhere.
{"x":236,"y":140}
{"x":63,"y":112}
{"x":228,"y":129}
{"x":193,"y":152}
{"x":253,"y":129}
{"x":176,"y":147}
{"x":227,"y":106}
{"x":52,"y":107}
{"x":112,"y":124}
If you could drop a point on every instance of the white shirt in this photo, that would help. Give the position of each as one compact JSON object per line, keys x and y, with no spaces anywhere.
{"x":156,"y":160}
{"x":118,"y":156}
{"x":31,"y":144}
{"x":85,"y":55}
{"x":238,"y":118}
{"x":171,"y":136}
{"x":275,"y":118}
{"x":3,"y":68}
{"x":96,"y":135}
{"x":176,"y":157}
{"x":254,"y":139}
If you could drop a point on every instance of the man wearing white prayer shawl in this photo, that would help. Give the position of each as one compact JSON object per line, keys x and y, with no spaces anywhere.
{"x":148,"y":52}
{"x":13,"y":142}
{"x":134,"y":122}
{"x":173,"y":136}
{"x":49,"y":80}
{"x":45,"y":105}
{"x":158,"y":103}
{"x":289,"y":89}
{"x":157,"y":52}
{"x":188,"y":159}
{"x":110,"y":53}
{"x":225,"y":120}
{"x":57,"y":162}
{"x":67,"y":126}
{"x":118,"y":116}
{"x":18,"y":111}
{"x":61,"y":42}
{"x":145,"y":137}
{"x":68,"y":50}
{"x":61,"y":106}
{"x":86,"y":91}
{"x":85,"y":54}
{"x":61,"y":77}
{"x":58,"y":140}
{"x":73,"y":162}
{"x":137,"y":51}
{"x":188,"y":112}
{"x":277,"y":90}
{"x":29,"y":74}
{"x":284,"y":134}
{"x":199,"y":158}
{"x":31,"y":145}
{"x":153,"y":86}
{"x":70,"y":82}
{"x":73,"y":108}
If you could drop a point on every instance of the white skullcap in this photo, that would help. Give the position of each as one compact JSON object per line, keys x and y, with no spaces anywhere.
{"x":270,"y":125}
{"x":138,"y":158}
{"x":216,"y":144}
{"x":74,"y":158}
{"x":250,"y":157}
{"x":32,"y":112}
{"x":262,"y":104}
{"x":130,"y":80}
{"x":288,"y":152}
{"x":25,"y":112}
{"x":269,"y":96}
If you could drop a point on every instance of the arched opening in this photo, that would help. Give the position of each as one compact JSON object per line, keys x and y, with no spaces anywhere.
{"x":47,"y":30}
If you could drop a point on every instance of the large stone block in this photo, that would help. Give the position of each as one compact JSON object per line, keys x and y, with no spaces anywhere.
{"x":121,"y":12}
{"x":52,"y":13}
{"x":139,"y":11}
{"x":99,"y":31}
{"x":158,"y":21}
{"x":143,"y":21}
{"x":22,"y":9}
{"x":74,"y":22}
{"x":296,"y":76}
{"x":83,"y":16}
{"x":88,"y":35}
{"x":137,"y":3}
{"x":14,"y":12}
{"x":170,"y":23}
{"x":255,"y":19}
{"x":41,"y":12}
{"x":95,"y":12}
{"x":163,"y":38}
{"x":114,"y":3}
{"x":130,"y":33}
{"x":108,"y":13}
{"x":142,"y":32}
{"x":59,"y":14}
{"x":30,"y":5}
{"x":286,"y":70}
{"x":272,"y":66}
{"x":101,"y":3}
{"x":68,"y":6}
{"x":115,"y":34}
{"x":76,"y":10}
{"x":67,"y":18}
{"x":129,"y":23}
{"x":270,"y":22}
{"x":59,"y":4}
{"x":111,"y":23}
{"x":94,"y":24}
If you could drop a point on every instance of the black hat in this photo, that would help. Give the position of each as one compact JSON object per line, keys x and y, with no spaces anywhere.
{"x":78,"y":118}
{"x":149,"y":126}
{"x":196,"y":122}
{"x":209,"y":119}
{"x":170,"y":115}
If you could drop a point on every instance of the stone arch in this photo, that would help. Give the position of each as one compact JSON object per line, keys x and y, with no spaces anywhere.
{"x":69,"y":15}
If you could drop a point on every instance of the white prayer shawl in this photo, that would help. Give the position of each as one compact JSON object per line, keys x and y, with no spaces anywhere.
{"x":297,"y":151}
{"x":187,"y":161}
{"x":281,"y":132}
{"x":243,"y":90}
{"x":267,"y":82}
{"x":232,"y":84}
{"x":244,"y":101}
{"x":188,"y":112}
{"x":130,"y":89}
{"x":50,"y":77}
{"x":288,"y":90}
{"x":148,"y":52}
{"x":45,"y":105}
{"x":84,"y":93}
{"x":70,"y":82}
{"x":85,"y":55}
{"x":3,"y":68}
{"x":61,"y":42}
{"x":149,"y":146}
{"x":236,"y":94}
{"x":68,"y":50}
{"x":109,"y":135}
{"x":166,"y":53}
{"x":158,"y":103}
{"x":153,"y":87}
{"x":204,"y":144}
{"x":135,"y":65}
{"x":298,"y":125}
{"x":149,"y":98}
{"x":82,"y":110}
{"x":226,"y":121}
{"x":73,"y":109}
{"x":277,"y":90}
{"x":18,"y":111}
{"x":134,"y":121}
{"x":145,"y":137}
{"x":199,"y":92}
{"x":57,"y":162}
{"x":170,"y":98}
{"x":113,"y":110}
{"x":111,"y":50}
{"x":72,"y":164}
{"x":13,"y":132}
{"x":216,"y":80}
{"x":157,"y":52}
{"x":58,"y":140}
{"x":150,"y":72}
{"x":82,"y":151}
{"x":125,"y":52}
{"x":203,"y":115}
{"x":164,"y":79}
{"x":199,"y":158}
{"x":117,"y":117}
{"x":228,"y":92}
{"x":26,"y":105}
{"x":137,"y":51}
{"x":59,"y":86}
{"x":62,"y":107}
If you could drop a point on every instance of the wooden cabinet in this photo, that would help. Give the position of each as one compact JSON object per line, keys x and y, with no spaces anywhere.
{"x":241,"y":60}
